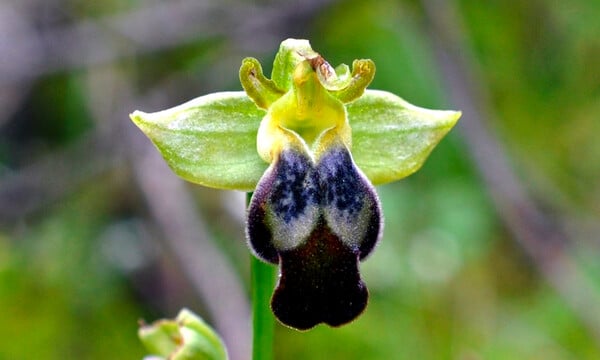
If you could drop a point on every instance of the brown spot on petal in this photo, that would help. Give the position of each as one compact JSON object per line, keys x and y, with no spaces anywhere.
{"x":319,"y":282}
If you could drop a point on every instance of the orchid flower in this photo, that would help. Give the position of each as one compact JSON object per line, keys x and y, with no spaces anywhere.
{"x":310,"y":143}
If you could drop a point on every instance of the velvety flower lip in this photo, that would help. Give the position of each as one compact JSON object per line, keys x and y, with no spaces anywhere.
{"x":316,"y":220}
{"x":319,"y":282}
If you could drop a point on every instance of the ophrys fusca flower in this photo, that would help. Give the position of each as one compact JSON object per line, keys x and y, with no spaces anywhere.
{"x":310,"y":142}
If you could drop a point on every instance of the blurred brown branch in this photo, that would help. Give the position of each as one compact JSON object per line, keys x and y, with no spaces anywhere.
{"x":542,"y":236}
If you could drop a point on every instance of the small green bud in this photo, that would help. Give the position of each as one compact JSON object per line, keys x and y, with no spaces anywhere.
{"x":187,"y":337}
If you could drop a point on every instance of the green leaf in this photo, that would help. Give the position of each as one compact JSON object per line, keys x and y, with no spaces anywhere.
{"x":392,"y":138}
{"x":210,"y":140}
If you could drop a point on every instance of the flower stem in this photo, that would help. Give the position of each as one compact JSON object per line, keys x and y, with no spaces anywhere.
{"x":263,"y":322}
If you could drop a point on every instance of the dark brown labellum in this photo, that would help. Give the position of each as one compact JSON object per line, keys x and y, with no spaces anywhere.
{"x":317,"y":221}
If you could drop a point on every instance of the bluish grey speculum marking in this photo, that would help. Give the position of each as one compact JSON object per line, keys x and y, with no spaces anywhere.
{"x":337,"y":214}
{"x":294,"y":188}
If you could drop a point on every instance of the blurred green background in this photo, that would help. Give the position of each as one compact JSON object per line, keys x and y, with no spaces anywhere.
{"x":491,"y":251}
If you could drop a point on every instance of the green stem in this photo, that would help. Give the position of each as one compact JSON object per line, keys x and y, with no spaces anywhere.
{"x":263,"y":322}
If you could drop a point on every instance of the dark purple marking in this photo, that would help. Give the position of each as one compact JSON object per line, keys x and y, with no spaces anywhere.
{"x":294,"y":187}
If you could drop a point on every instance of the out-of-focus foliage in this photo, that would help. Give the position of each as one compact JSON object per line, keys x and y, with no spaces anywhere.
{"x":60,"y":289}
{"x":448,"y":281}
{"x":538,"y":59}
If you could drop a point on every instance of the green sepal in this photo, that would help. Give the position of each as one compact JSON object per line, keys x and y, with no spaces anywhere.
{"x":187,"y":337}
{"x":391,"y":138}
{"x":210,"y":140}
{"x":291,"y":53}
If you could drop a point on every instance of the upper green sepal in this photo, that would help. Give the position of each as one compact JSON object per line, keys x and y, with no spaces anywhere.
{"x":291,"y":53}
{"x":210,"y":140}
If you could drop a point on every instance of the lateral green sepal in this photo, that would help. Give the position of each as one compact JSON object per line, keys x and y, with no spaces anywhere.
{"x":210,"y":140}
{"x":391,"y":138}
